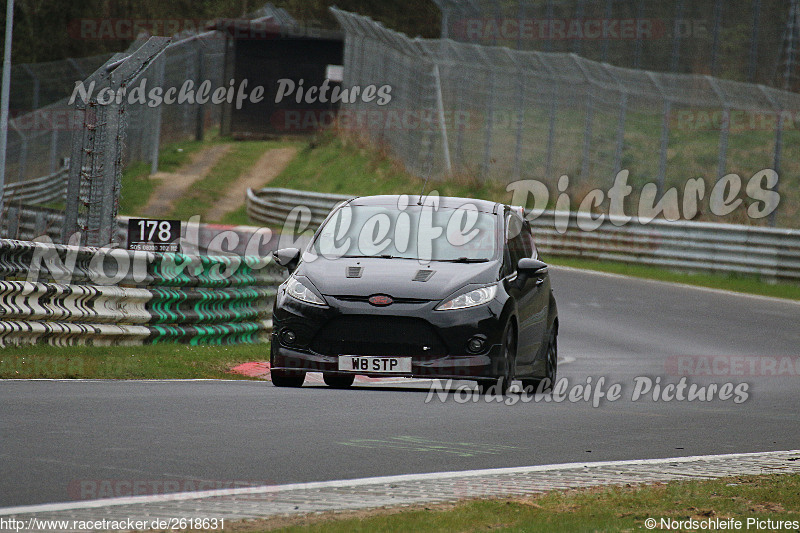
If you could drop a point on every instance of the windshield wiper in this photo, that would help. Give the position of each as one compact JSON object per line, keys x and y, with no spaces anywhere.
{"x":384,"y":256}
{"x":463,"y":260}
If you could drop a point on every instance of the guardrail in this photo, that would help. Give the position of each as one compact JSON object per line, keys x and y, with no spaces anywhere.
{"x":772,"y":253}
{"x":76,"y":295}
{"x":273,"y":205}
{"x":42,"y":190}
{"x":26,"y":222}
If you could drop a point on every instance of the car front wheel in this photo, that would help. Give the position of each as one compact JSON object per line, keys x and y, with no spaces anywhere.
{"x":508,"y":361}
{"x":551,"y":367}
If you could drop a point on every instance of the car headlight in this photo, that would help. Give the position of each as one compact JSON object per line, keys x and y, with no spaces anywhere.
{"x":470,"y":299}
{"x":301,"y":292}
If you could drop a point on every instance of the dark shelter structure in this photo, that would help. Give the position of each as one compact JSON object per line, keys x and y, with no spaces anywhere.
{"x":297,"y":67}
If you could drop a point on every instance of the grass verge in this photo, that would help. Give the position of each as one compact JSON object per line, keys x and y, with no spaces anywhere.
{"x":335,"y":164}
{"x":159,"y":361}
{"x":624,"y":509}
{"x":730,"y":282}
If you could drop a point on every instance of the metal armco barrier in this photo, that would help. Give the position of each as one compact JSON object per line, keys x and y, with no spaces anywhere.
{"x":772,"y":253}
{"x":64,"y":295}
{"x":273,"y":205}
{"x":43,"y":190}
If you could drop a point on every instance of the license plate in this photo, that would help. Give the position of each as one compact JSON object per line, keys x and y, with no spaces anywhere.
{"x":372,"y":364}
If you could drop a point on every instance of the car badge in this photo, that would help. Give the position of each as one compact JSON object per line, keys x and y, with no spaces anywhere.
{"x":381,"y":300}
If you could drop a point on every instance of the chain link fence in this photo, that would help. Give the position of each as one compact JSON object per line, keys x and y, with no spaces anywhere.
{"x":494,"y":113}
{"x":744,"y":40}
{"x":40,"y":139}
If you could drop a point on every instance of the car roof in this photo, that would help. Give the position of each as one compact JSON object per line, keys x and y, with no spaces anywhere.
{"x":449,"y":202}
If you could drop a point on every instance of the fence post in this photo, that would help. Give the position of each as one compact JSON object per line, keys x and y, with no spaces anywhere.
{"x":36,"y":86}
{"x":199,"y":131}
{"x":676,"y":37}
{"x":487,"y":147}
{"x":53,"y":149}
{"x":621,"y":118}
{"x":751,"y":66}
{"x":551,"y":121}
{"x":609,"y":13}
{"x":662,"y":161}
{"x":23,"y":152}
{"x":725,"y":127}
{"x":637,"y":52}
{"x":442,"y":124}
{"x":464,"y":80}
{"x":12,"y":215}
{"x":715,"y":42}
{"x":778,"y":148}
{"x":589,"y":121}
{"x":156,"y":136}
{"x":520,"y":122}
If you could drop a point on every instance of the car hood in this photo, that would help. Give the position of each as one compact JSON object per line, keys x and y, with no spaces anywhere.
{"x":395,"y":277}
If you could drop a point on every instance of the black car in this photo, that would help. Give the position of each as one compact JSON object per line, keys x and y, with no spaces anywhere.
{"x":418,"y":287}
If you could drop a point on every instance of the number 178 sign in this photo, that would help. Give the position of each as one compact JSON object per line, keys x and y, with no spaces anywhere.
{"x":154,"y":235}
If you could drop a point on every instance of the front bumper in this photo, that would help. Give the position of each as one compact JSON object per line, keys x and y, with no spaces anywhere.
{"x":435,"y":340}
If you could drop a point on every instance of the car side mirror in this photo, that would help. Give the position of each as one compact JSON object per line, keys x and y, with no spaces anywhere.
{"x":287,"y":257}
{"x":531,"y":267}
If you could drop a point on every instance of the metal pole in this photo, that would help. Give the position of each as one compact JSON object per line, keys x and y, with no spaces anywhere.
{"x":442,"y":124}
{"x":725,"y":126}
{"x":156,"y":138}
{"x":637,"y":54}
{"x":662,"y":162}
{"x":201,"y":73}
{"x":776,"y":154}
{"x":751,"y":67}
{"x":609,"y":13}
{"x":676,"y":38}
{"x":715,"y":42}
{"x":776,"y":162}
{"x":4,"y":97}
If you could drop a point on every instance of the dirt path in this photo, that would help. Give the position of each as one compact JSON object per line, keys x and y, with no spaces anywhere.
{"x":175,"y":184}
{"x":266,"y":168}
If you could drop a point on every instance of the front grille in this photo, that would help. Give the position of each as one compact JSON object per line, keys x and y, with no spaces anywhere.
{"x":377,"y":335}
{"x":365,"y":299}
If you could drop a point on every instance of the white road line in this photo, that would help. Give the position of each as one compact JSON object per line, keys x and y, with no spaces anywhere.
{"x":774,"y":299}
{"x":345,"y":483}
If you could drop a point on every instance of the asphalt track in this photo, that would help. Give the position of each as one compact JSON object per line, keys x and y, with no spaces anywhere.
{"x":62,"y":441}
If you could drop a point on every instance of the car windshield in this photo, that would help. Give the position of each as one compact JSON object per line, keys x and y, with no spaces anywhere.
{"x":424,"y":233}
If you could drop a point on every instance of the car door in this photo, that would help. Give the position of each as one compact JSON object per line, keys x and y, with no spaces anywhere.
{"x":528,"y":292}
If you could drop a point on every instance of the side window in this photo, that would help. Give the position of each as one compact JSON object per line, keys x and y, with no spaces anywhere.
{"x":515,"y":237}
{"x":530,"y":245}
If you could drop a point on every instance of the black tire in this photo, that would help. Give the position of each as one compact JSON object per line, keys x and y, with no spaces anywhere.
{"x":283,"y":378}
{"x":550,"y":364}
{"x":338,"y":381}
{"x":508,"y":362}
